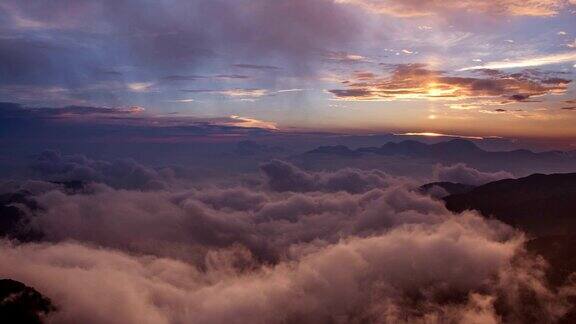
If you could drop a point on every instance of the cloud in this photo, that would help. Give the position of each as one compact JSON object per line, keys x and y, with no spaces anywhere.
{"x":284,"y":247}
{"x":9,"y":109}
{"x":116,"y":124}
{"x":253,"y":123}
{"x":284,"y":176}
{"x":417,"y":81}
{"x":41,"y":95}
{"x":243,"y":94}
{"x":173,"y":78}
{"x":126,"y":173}
{"x":183,"y":100}
{"x":27,"y":61}
{"x":344,"y":57}
{"x":256,"y":67}
{"x":461,"y":270}
{"x":461,"y":173}
{"x":419,"y":8}
{"x":568,"y":57}
{"x":140,"y":86}
{"x":431,"y":134}
{"x":187,"y":223}
{"x":250,"y":93}
{"x":67,"y":44}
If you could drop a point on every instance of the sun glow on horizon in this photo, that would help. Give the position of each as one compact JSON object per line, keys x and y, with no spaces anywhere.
{"x":432,"y":134}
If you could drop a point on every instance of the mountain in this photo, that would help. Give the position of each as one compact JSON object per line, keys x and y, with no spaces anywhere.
{"x":540,"y":204}
{"x":559,"y":252}
{"x":451,"y":188}
{"x":22,"y":304}
{"x":253,"y":148}
{"x":340,"y":150}
{"x":521,"y":162}
{"x":419,"y":149}
{"x":12,"y":217}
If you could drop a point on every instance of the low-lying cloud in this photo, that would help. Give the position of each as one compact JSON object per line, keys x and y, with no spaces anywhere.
{"x":284,"y":176}
{"x":122,"y":173}
{"x":347,"y":245}
{"x":461,"y":270}
{"x":461,"y":173}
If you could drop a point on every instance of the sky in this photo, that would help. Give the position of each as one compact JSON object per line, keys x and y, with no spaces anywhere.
{"x":470,"y":68}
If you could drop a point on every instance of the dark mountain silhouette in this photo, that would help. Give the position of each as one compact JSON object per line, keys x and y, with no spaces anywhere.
{"x":21,"y":304}
{"x":340,"y":150}
{"x":254,"y":148}
{"x":559,"y":252}
{"x":452,"y":148}
{"x":14,"y":221}
{"x":415,"y":148}
{"x":12,"y":217}
{"x":450,"y":187}
{"x":540,"y":204}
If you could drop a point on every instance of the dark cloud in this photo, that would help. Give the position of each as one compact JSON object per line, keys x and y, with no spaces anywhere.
{"x":126,"y":173}
{"x":39,"y":61}
{"x":9,"y":109}
{"x":352,"y":93}
{"x":519,"y":97}
{"x":164,"y":36}
{"x":86,"y":123}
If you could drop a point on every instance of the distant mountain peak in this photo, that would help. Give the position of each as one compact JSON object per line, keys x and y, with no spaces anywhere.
{"x":341,"y":150}
{"x":460,"y":144}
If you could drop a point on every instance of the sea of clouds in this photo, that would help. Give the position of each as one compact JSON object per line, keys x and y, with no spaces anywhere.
{"x":134,"y":244}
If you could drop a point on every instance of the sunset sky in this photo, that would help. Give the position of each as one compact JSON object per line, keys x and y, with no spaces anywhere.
{"x":460,"y":67}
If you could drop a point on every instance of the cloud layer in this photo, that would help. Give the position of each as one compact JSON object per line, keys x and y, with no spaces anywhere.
{"x":348,"y":245}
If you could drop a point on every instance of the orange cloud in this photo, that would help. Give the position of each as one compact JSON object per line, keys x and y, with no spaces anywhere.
{"x":251,"y":123}
{"x":416,"y":81}
{"x":418,"y":8}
